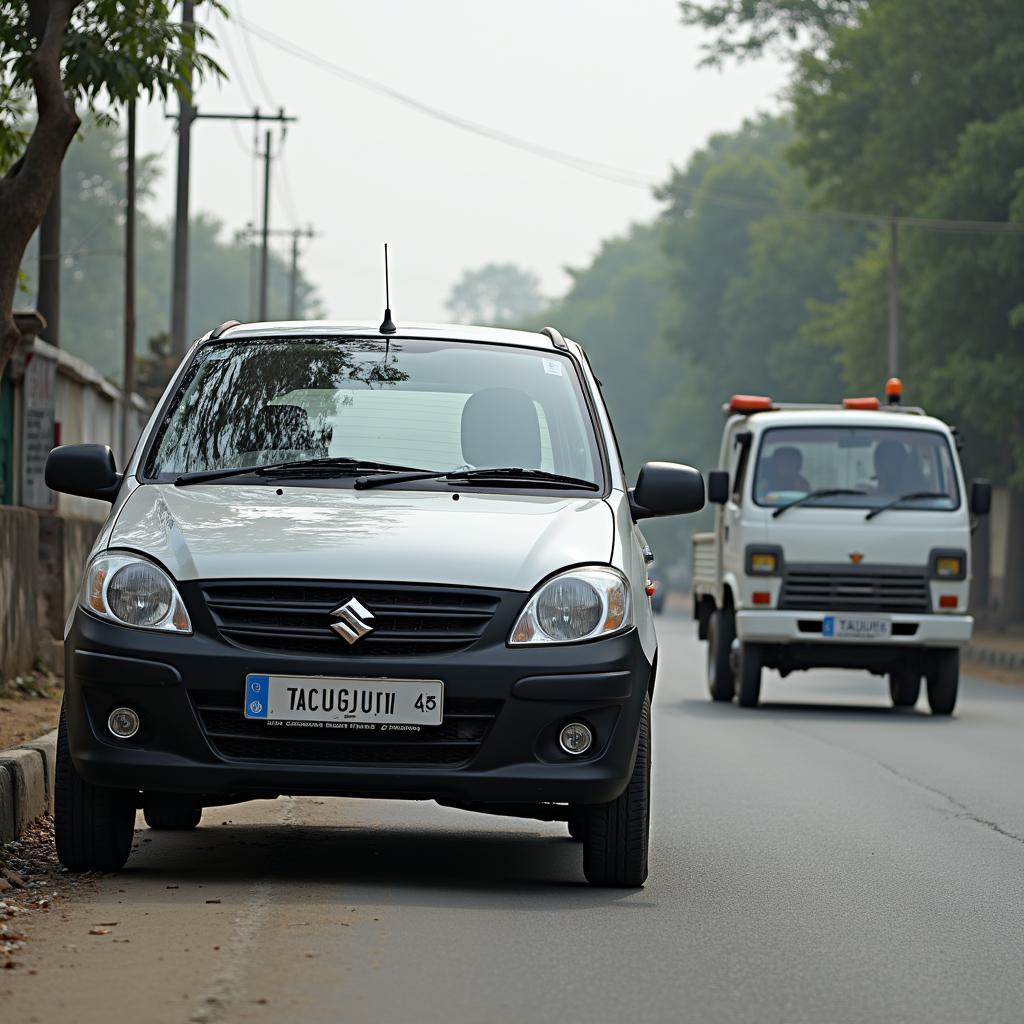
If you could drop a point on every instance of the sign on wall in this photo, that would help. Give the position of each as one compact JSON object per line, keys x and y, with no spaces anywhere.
{"x":39,"y":391}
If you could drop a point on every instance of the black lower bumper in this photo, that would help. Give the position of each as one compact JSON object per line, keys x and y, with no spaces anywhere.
{"x":191,"y":743}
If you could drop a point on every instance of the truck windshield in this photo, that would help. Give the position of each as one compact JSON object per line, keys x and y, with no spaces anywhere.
{"x":883,"y":463}
{"x":419,"y":404}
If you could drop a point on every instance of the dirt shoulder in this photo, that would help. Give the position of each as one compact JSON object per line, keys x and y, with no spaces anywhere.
{"x":29,"y":706}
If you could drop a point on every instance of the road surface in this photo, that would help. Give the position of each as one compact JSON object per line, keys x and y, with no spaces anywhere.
{"x":822,"y":858}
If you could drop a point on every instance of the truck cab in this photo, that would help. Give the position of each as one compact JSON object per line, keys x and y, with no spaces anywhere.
{"x":841,"y":540}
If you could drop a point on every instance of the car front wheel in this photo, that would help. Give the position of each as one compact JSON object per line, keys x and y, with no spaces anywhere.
{"x":748,"y":678}
{"x":617,"y":833}
{"x":721,"y":632}
{"x":904,"y":688}
{"x":943,"y":680}
{"x":93,"y":826}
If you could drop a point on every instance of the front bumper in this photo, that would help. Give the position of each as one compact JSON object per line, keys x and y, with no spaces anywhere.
{"x":805,"y":627}
{"x":534,"y":691}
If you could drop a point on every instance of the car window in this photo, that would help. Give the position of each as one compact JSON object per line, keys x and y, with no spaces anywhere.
{"x":883,"y":462}
{"x":424,"y":404}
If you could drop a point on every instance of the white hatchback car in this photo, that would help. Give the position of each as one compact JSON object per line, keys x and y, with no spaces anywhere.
{"x":354,"y":563}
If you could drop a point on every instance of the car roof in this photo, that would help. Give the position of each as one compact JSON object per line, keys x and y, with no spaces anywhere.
{"x":366,"y":329}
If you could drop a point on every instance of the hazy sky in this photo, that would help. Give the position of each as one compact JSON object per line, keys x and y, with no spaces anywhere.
{"x":614,"y":82}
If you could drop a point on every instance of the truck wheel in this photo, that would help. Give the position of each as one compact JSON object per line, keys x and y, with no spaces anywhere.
{"x":721,"y":633}
{"x":617,"y":833}
{"x":171,"y":817}
{"x":943,"y":676}
{"x":904,"y":687}
{"x":93,"y":826}
{"x":748,"y":682}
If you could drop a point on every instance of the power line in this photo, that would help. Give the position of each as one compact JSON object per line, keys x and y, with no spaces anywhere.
{"x":620,"y":175}
{"x":247,"y":42}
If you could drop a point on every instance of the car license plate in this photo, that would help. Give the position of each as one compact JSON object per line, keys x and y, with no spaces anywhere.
{"x":345,"y":700}
{"x":857,"y":627}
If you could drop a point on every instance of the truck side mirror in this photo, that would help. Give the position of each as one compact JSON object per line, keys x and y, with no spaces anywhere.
{"x":87,"y":470}
{"x":666,"y":489}
{"x":981,"y":497}
{"x":718,"y":486}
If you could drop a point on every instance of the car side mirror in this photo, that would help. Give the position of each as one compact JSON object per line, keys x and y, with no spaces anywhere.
{"x":981,"y":497}
{"x":87,"y":470}
{"x":666,"y":489}
{"x":718,"y":486}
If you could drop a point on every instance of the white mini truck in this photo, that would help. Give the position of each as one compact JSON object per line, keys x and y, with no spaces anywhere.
{"x":842,"y":540}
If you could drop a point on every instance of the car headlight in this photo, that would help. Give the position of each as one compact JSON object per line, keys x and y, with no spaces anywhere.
{"x":132,"y":591}
{"x":579,"y":604}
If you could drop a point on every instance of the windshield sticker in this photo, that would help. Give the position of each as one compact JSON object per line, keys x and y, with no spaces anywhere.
{"x":552,"y":366}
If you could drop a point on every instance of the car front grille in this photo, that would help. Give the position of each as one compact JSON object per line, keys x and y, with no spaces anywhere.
{"x":296,"y":617}
{"x":845,"y":588}
{"x":454,"y":742}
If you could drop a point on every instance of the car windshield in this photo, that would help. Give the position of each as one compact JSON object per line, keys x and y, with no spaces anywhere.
{"x":883,"y":463}
{"x":422,"y":404}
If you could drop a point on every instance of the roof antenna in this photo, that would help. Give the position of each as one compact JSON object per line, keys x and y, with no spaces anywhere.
{"x":387,"y":324}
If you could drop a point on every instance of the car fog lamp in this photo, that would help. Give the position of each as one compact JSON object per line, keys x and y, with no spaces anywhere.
{"x":123,"y":723}
{"x":575,"y":738}
{"x":139,"y":594}
{"x":949,"y":566}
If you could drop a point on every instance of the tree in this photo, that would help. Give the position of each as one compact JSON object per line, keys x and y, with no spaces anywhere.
{"x":64,"y":53}
{"x":498,"y":293}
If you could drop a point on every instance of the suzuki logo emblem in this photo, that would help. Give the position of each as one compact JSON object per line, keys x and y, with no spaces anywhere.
{"x":353,"y":625}
{"x":856,"y":557}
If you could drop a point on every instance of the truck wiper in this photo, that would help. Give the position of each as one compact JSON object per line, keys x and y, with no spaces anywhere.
{"x":541,"y":476}
{"x":825,"y":492}
{"x":335,"y":465}
{"x":905,"y":497}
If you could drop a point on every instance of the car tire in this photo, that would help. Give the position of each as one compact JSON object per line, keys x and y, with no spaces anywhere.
{"x":577,"y":823}
{"x":618,"y":832}
{"x":721,"y":633}
{"x":93,"y":826}
{"x":904,"y":687}
{"x":943,"y":680}
{"x":748,"y":678}
{"x":172,"y":818}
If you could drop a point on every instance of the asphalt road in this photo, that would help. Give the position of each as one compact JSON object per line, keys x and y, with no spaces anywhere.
{"x":821,"y":858}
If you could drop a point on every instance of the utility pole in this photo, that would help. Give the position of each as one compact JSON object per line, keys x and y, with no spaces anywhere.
{"x":128,"y":386}
{"x":181,"y":212}
{"x":265,"y":231}
{"x":179,"y":283}
{"x":894,"y":296}
{"x":294,"y":234}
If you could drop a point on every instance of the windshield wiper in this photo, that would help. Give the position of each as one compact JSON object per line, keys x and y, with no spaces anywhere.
{"x":337,"y":466}
{"x":540,"y":476}
{"x":905,"y":497}
{"x":825,"y":492}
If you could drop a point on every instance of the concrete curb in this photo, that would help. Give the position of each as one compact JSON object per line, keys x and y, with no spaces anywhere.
{"x":998,"y":656}
{"x":26,"y":784}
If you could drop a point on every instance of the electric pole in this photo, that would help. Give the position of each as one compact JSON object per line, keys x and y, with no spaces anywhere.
{"x":180,"y":306}
{"x":128,"y":386}
{"x":293,"y":278}
{"x":265,"y":231}
{"x":894,"y":296}
{"x":179,"y":282}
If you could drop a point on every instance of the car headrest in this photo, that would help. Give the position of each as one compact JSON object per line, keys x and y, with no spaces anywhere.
{"x":500,"y":428}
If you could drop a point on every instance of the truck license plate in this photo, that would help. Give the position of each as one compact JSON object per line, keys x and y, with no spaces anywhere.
{"x":344,"y":700}
{"x":857,"y":627}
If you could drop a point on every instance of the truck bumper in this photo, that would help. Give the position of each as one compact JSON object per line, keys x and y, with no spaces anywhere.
{"x":805,"y":627}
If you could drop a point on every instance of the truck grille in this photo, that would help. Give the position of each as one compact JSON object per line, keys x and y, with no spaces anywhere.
{"x":466,"y":722}
{"x":296,"y":617}
{"x":845,"y":588}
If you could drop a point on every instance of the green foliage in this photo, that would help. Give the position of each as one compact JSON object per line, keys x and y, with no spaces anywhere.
{"x":114,"y":51}
{"x":498,"y":293}
{"x":221,"y":271}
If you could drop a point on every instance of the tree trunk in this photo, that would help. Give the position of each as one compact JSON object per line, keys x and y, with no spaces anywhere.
{"x":48,"y":293}
{"x":26,"y":189}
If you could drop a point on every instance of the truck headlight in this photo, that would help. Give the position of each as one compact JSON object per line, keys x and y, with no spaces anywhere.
{"x":579,"y":604}
{"x":764,"y":561}
{"x":131,"y":591}
{"x":948,"y":565}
